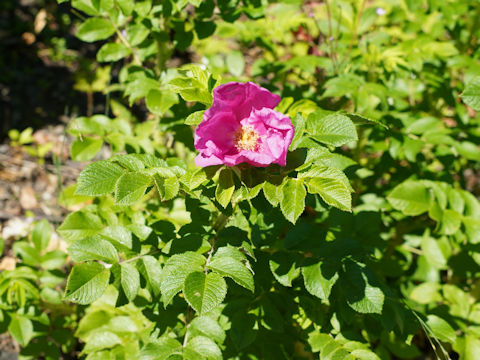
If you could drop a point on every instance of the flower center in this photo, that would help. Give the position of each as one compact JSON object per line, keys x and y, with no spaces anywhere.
{"x":246,"y":138}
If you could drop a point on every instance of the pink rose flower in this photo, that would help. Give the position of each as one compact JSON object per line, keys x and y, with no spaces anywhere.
{"x":241,"y":127}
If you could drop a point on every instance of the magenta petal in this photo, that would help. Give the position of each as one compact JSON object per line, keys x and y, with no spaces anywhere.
{"x":241,"y":126}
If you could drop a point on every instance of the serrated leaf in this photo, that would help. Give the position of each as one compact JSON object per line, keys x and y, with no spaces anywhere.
{"x":94,"y":29}
{"x":167,"y":187}
{"x":208,"y":327}
{"x":292,"y":201}
{"x":151,"y":270}
{"x":201,"y":347}
{"x":130,"y":188}
{"x":86,"y":283}
{"x":162,"y":349}
{"x":41,"y":235}
{"x":176,"y":270}
{"x":85,"y":149}
{"x":93,"y":248}
{"x":228,"y":266}
{"x":130,"y":280}
{"x":78,"y":225}
{"x":272,"y":193}
{"x":118,"y":235}
{"x":316,"y":282}
{"x":204,"y":292}
{"x":333,"y":191}
{"x":98,"y":178}
{"x":194,"y":118}
{"x":471,"y":94}
{"x":410,"y":197}
{"x":225,"y":187}
{"x":299,"y":125}
{"x":333,"y":129}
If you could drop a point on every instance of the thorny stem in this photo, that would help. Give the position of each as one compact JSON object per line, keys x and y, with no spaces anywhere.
{"x":330,"y":35}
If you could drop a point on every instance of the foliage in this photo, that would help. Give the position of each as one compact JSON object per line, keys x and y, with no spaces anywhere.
{"x":363,"y":247}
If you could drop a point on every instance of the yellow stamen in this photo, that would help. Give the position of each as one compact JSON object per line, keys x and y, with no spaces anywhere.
{"x":246,"y":138}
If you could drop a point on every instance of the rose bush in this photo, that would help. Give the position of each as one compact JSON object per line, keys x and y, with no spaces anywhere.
{"x":242,"y":127}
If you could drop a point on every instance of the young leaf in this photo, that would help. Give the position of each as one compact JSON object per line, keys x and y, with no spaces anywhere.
{"x":235,"y":63}
{"x":228,"y":266}
{"x":130,"y":188}
{"x":204,"y":292}
{"x":161,"y":349}
{"x":272,"y":193}
{"x":158,"y":102}
{"x":86,"y":283}
{"x":292,"y":202}
{"x":208,"y":327}
{"x":225,"y":187}
{"x":98,"y":178}
{"x":93,"y":248}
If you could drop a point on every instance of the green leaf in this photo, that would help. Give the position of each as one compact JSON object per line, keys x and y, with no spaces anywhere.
{"x":110,"y":52}
{"x":194,"y":118}
{"x":299,"y":125}
{"x":361,"y":294}
{"x":118,"y":235}
{"x":85,"y":149}
{"x":201,"y":347}
{"x":86,"y":283}
{"x":433,"y":252}
{"x":410,"y":197}
{"x":130,"y":187}
{"x":292,"y":202}
{"x":103,"y":339}
{"x":130,"y":280}
{"x":78,"y":225}
{"x":126,"y":6}
{"x":471,"y":94}
{"x":94,"y":29}
{"x":21,"y":329}
{"x":228,"y":266}
{"x":158,"y":102}
{"x":316,"y":282}
{"x":98,"y":178}
{"x":208,"y":327}
{"x":204,"y":292}
{"x":136,"y":33}
{"x":272,"y":193}
{"x":284,"y":268}
{"x":334,"y":129}
{"x":167,"y":187}
{"x":152,"y":272}
{"x":41,"y":235}
{"x":235,"y":63}
{"x":225,"y":187}
{"x":425,"y":293}
{"x":161,"y":350}
{"x":93,"y":248}
{"x":441,"y":329}
{"x":176,"y":269}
